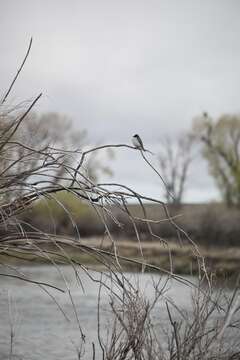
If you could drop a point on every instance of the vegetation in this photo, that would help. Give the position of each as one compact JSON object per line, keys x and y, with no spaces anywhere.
{"x":209,"y":331}
{"x":221,"y":148}
{"x":210,"y":225}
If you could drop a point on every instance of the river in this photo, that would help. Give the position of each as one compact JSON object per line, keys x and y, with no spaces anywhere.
{"x":40,"y":330}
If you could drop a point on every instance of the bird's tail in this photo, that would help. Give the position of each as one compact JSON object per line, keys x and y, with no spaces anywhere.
{"x":148,"y":151}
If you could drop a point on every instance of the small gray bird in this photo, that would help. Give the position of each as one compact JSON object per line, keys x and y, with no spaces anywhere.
{"x":138,"y":144}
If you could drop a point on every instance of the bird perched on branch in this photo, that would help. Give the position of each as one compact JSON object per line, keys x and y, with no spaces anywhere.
{"x":138,"y":144}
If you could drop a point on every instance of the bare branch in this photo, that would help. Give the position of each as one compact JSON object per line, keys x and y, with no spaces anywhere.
{"x":18,"y":72}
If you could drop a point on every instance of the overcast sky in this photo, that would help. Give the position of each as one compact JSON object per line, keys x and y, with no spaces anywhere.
{"x":130,"y":66}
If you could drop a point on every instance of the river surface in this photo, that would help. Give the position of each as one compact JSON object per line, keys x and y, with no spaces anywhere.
{"x":44,"y":325}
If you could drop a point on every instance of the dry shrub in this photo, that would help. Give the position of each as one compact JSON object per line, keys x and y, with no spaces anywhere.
{"x":133,"y":336}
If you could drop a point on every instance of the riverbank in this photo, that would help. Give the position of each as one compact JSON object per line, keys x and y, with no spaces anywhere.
{"x":170,"y":255}
{"x":182,"y":257}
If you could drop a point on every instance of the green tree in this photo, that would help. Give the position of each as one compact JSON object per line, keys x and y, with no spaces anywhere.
{"x":220,"y":141}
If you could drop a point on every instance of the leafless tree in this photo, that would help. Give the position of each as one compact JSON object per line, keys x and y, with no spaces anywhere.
{"x":175,"y":158}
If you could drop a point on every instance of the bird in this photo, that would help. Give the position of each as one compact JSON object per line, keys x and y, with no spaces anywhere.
{"x":138,"y":144}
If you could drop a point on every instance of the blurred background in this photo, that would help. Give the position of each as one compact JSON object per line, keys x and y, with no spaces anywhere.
{"x":116,"y":68}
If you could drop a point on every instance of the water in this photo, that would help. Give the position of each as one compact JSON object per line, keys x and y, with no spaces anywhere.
{"x":42,"y":331}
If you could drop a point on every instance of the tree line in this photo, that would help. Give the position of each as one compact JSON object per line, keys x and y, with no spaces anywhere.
{"x":219,"y":143}
{"x":217,"y":139}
